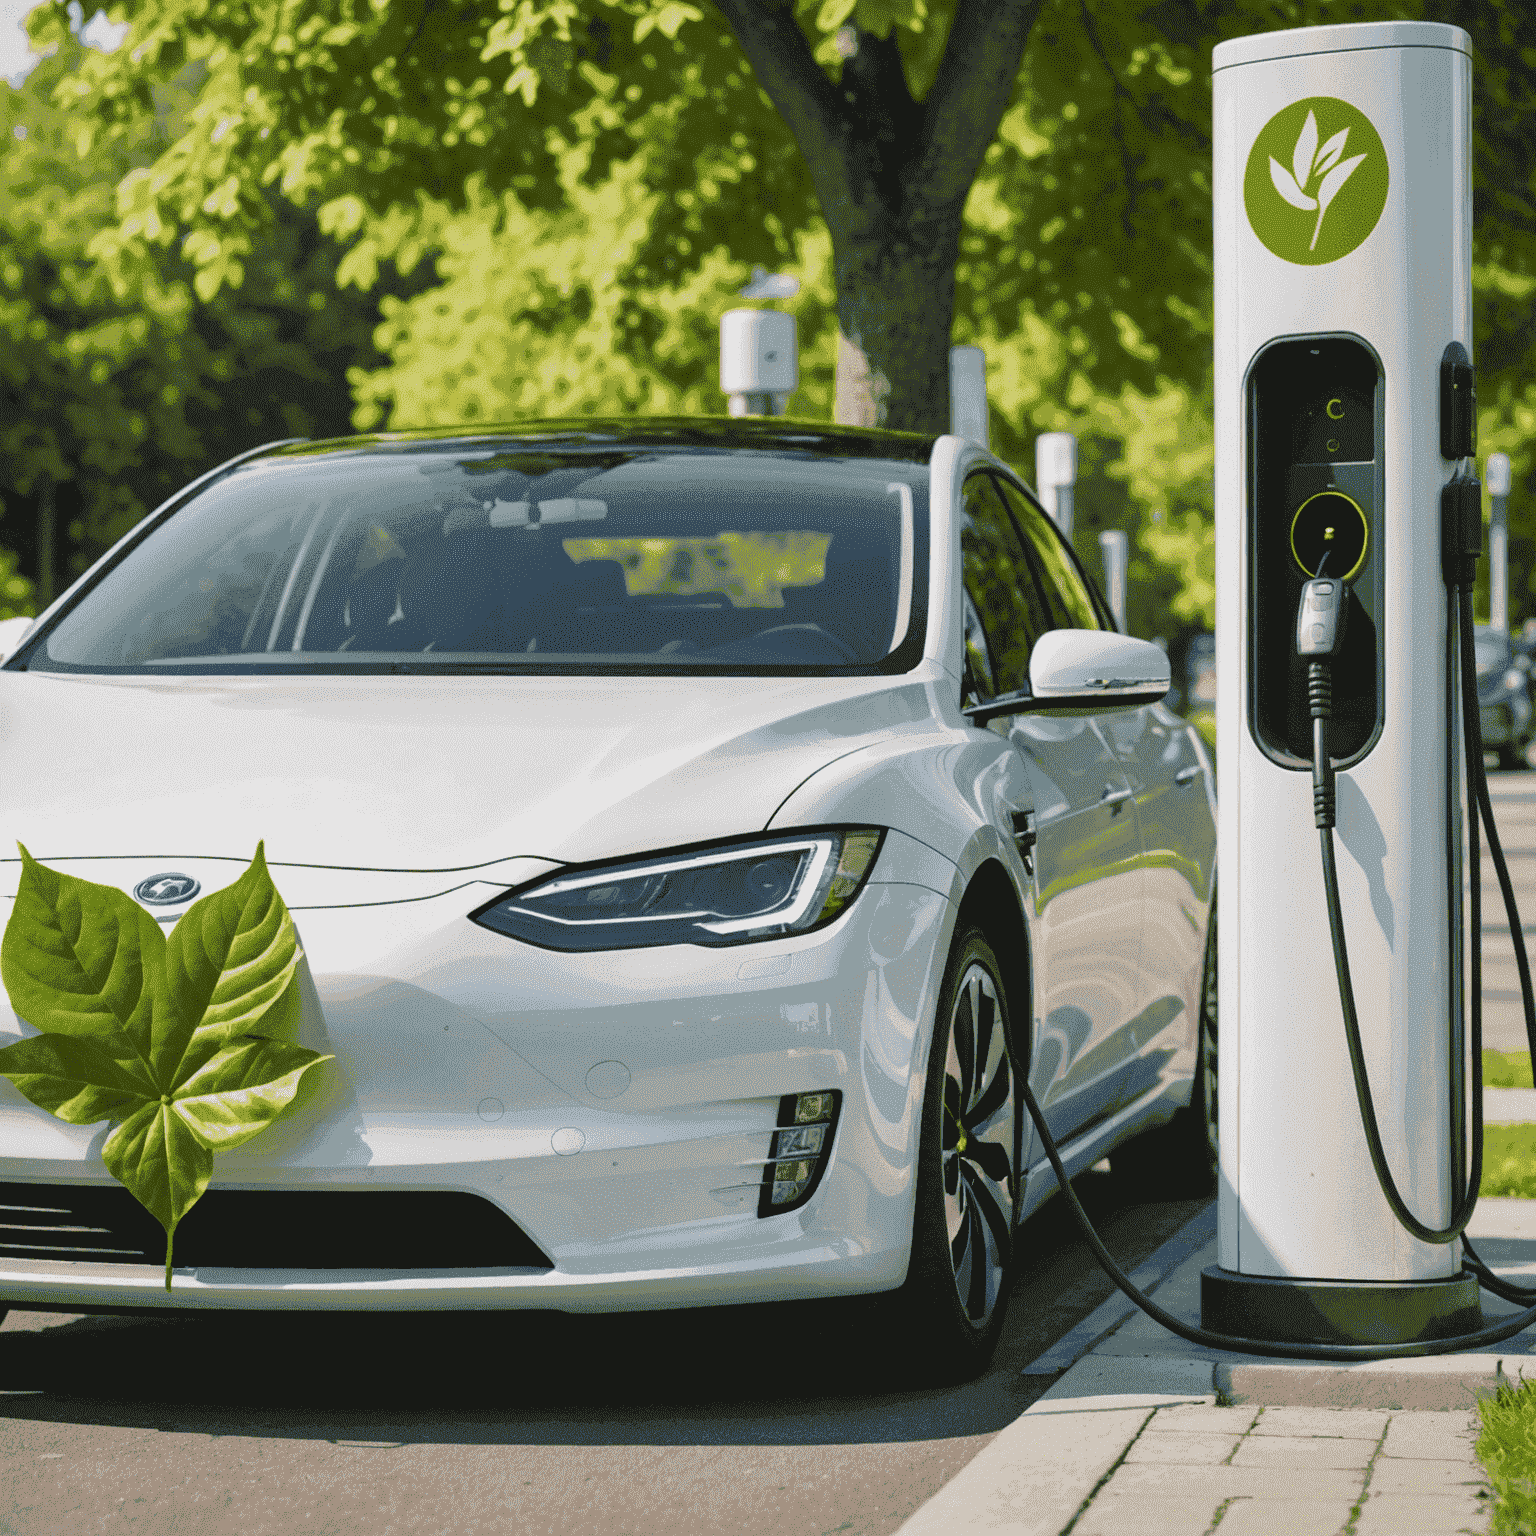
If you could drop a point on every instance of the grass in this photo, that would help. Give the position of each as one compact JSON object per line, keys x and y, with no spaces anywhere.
{"x":1507,"y":1069}
{"x":1509,"y":1161}
{"x":1507,"y":1447}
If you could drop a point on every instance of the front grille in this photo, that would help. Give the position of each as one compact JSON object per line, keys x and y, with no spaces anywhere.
{"x":267,"y":1229}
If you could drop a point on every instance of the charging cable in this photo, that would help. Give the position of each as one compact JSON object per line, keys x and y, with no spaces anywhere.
{"x":1319,"y":637}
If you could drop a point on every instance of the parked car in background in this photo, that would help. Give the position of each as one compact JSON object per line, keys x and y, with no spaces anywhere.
{"x":694,"y":829}
{"x":1504,"y":696}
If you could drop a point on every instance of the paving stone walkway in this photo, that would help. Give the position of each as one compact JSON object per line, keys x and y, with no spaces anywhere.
{"x":1197,"y":1468}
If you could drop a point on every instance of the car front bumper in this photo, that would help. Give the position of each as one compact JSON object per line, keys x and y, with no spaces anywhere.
{"x":618,"y":1107}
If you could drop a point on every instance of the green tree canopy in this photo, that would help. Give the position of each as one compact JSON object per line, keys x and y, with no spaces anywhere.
{"x":576,"y":190}
{"x":119,"y":381}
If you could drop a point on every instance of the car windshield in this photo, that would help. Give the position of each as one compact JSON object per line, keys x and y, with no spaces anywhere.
{"x":517,"y":557}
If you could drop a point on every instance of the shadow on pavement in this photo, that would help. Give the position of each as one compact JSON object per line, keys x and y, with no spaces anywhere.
{"x":785,"y":1374}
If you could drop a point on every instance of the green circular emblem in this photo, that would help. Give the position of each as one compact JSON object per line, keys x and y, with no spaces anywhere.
{"x":1316,"y":181}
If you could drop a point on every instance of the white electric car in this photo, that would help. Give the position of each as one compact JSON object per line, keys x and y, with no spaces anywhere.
{"x":693,"y":829}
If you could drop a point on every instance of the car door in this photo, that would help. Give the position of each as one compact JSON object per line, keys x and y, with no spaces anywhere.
{"x":1152,"y":748}
{"x":1086,"y":869}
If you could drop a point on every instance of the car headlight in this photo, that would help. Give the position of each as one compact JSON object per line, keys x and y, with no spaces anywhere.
{"x":762,"y":889}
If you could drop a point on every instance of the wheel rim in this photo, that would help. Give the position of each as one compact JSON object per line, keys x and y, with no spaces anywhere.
{"x":980,"y":1182}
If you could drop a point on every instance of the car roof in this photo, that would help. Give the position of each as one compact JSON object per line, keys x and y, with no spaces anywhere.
{"x":699,"y":433}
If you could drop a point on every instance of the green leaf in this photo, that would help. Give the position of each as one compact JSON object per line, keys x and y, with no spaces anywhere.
{"x":242,"y":1090}
{"x":157,"y":1033}
{"x":77,"y":1078}
{"x":163,"y":1163}
{"x":232,"y":960}
{"x":80,"y":958}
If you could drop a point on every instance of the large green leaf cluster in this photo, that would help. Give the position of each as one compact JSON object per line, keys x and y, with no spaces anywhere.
{"x":118,"y":382}
{"x":179,"y":1041}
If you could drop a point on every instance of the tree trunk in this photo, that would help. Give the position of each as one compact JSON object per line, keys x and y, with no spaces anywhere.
{"x":892,"y":175}
{"x":895,"y":307}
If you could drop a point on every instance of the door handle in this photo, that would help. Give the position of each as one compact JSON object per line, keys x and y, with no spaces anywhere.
{"x":1187,"y":775}
{"x":1025,"y":838}
{"x":1115,"y":798}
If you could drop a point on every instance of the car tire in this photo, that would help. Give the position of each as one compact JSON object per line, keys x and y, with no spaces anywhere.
{"x":948,"y":1315}
{"x":1179,"y":1160}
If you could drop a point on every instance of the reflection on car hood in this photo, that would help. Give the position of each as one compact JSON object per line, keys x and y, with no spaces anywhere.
{"x":416,"y":774}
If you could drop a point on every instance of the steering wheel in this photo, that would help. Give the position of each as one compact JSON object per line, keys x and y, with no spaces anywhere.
{"x":808,"y":631}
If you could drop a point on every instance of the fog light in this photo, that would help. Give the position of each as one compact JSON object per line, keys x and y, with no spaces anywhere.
{"x":813,"y":1106}
{"x":798,"y":1153}
{"x":805,"y":1138}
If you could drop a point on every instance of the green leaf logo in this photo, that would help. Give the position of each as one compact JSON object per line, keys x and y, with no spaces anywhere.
{"x":179,"y":1040}
{"x":1307,"y":201}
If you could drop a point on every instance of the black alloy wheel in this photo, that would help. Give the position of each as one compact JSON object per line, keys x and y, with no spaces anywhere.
{"x":980,"y":1131}
{"x":949,"y":1313}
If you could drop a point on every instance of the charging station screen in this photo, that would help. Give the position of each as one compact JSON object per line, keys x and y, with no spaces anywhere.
{"x":1314,"y":508}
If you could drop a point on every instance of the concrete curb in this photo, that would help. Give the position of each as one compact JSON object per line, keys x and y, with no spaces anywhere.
{"x":1040,"y":1470}
{"x":1437,"y":1381}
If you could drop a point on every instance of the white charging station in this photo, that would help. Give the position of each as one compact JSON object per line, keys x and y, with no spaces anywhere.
{"x":759,"y":361}
{"x":1342,"y":273}
{"x":1056,"y":477}
{"x":1115,"y":547}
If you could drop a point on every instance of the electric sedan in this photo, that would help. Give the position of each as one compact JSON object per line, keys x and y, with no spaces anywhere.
{"x":694,"y":830}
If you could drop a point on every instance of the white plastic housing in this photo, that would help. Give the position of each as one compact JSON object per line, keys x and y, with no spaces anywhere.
{"x":1298,"y":1196}
{"x":1056,"y":475}
{"x":758,"y":355}
{"x":1079,"y":663}
{"x":968,"y":394}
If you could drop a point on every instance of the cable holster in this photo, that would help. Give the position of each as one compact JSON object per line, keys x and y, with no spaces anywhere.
{"x":1461,"y":530}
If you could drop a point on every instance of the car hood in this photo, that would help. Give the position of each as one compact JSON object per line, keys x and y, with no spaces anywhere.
{"x":416,"y":774}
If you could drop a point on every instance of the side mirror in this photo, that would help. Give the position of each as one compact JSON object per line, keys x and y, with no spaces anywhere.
{"x":12,"y":632}
{"x":1083,"y":671}
{"x":1096,"y":669}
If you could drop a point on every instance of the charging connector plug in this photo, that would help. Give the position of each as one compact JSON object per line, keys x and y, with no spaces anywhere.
{"x":1319,"y":638}
{"x":1461,"y":530}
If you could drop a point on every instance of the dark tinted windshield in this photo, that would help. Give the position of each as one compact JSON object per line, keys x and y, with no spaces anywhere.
{"x":520,"y":558}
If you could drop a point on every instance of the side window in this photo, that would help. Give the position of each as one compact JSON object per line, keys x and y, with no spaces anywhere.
{"x":980,"y":681}
{"x":999,"y":583}
{"x":1060,"y":574}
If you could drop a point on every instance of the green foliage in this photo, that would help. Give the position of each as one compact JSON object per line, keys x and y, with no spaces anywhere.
{"x":179,"y":1041}
{"x":552,"y":201}
{"x":120,"y":381}
{"x":1507,"y":1069}
{"x":16,"y":598}
{"x":1507,"y":1447}
{"x":1509,"y":1161}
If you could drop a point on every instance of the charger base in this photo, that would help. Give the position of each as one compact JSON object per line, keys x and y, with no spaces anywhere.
{"x":1284,"y":1310}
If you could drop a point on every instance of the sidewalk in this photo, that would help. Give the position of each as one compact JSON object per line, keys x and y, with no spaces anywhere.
{"x":1144,"y":1434}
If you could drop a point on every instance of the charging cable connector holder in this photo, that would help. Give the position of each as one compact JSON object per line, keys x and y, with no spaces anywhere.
{"x":1461,"y":529}
{"x":1458,"y":404}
